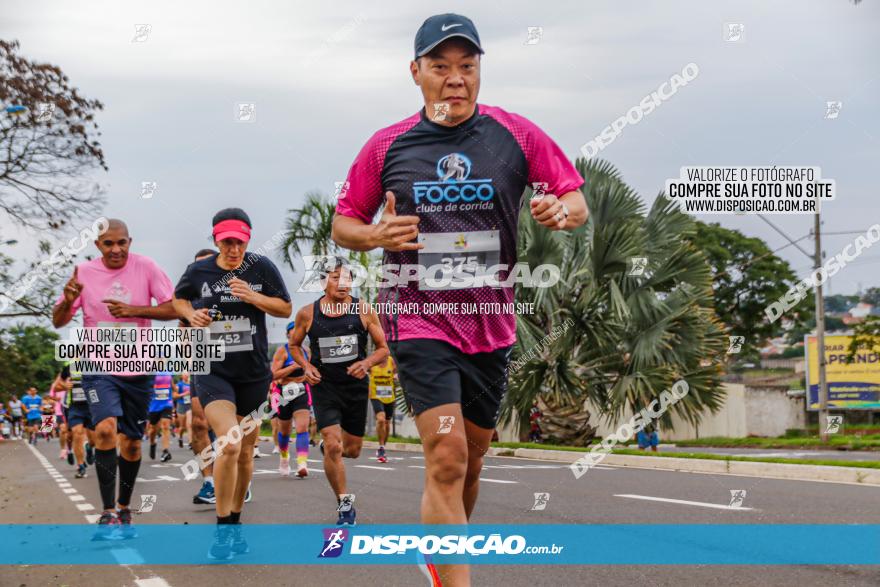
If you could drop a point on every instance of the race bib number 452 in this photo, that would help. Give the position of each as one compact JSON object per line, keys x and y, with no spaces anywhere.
{"x":235,"y":334}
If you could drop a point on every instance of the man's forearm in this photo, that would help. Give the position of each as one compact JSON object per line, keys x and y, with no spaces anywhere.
{"x":353,"y":233}
{"x":164,"y":311}
{"x":577,"y":209}
{"x":377,"y":356}
{"x":62,"y":313}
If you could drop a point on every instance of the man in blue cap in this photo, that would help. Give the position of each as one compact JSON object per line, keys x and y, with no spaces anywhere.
{"x":450,"y":182}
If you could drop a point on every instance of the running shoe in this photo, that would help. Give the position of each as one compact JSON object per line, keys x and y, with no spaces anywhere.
{"x":275,"y":450}
{"x":284,"y":467}
{"x":346,"y":511}
{"x":380,"y":455}
{"x":80,"y":471}
{"x":221,"y":550}
{"x":108,"y":528}
{"x":428,"y":569}
{"x":90,"y":454}
{"x":125,"y":524}
{"x":70,"y":459}
{"x":249,"y":496}
{"x":153,"y":452}
{"x":180,"y":442}
{"x":257,"y":454}
{"x":302,"y":471}
{"x":166,"y":456}
{"x":205,"y":494}
{"x":321,"y":446}
{"x":239,"y":544}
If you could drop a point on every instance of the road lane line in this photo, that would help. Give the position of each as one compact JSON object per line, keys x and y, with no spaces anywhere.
{"x":716,"y":506}
{"x":152,"y":582}
{"x":85,"y":507}
{"x":374,"y":467}
{"x":498,"y":481}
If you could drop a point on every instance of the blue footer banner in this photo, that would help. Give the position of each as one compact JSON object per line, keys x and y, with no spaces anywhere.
{"x":492,"y":544}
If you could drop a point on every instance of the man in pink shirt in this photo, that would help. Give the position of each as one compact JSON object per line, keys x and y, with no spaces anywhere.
{"x":117,"y":288}
{"x":449,"y":182}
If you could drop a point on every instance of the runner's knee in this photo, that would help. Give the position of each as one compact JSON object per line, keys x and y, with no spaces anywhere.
{"x":448,"y":463}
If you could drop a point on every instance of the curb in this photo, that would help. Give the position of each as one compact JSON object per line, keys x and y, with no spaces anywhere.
{"x":855,"y":475}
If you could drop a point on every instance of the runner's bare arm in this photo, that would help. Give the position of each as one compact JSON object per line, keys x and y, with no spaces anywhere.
{"x":277,"y":307}
{"x":163,"y":311}
{"x":295,"y":339}
{"x":196,"y":318}
{"x":392,"y":232}
{"x":548,"y":211}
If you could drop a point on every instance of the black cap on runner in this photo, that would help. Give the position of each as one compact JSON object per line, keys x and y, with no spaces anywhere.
{"x":441,"y":27}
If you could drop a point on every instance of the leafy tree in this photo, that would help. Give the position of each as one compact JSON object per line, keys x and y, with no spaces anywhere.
{"x":746,"y":278}
{"x":48,"y":152}
{"x":27,"y":358}
{"x":838,"y":303}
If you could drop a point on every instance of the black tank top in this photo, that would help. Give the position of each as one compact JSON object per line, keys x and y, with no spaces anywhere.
{"x":336,"y":343}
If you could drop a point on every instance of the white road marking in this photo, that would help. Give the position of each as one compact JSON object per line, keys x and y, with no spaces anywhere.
{"x":64,"y":485}
{"x":716,"y":506}
{"x":127,"y":556}
{"x":93,"y":518}
{"x":76,"y":497}
{"x":152,"y":582}
{"x":498,"y":481}
{"x":416,"y":466}
{"x":70,"y":490}
{"x":373,"y":467}
{"x":85,"y":507}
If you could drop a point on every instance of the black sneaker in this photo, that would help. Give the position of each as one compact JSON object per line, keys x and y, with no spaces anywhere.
{"x":108,"y":528}
{"x":90,"y":454}
{"x":166,"y":456}
{"x":80,"y":471}
{"x":70,"y":460}
{"x":125,"y":525}
{"x":153,"y":452}
{"x":221,"y":550}
{"x":180,"y":442}
{"x":239,"y":544}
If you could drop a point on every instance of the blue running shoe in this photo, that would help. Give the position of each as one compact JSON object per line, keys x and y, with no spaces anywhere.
{"x":108,"y":528}
{"x":221,"y":550}
{"x":205,"y":494}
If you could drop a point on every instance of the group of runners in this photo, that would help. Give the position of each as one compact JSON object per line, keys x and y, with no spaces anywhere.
{"x":475,"y":160}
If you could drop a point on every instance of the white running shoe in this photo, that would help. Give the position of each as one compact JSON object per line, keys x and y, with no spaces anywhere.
{"x":302,"y":471}
{"x":275,"y":451}
{"x":284,"y":467}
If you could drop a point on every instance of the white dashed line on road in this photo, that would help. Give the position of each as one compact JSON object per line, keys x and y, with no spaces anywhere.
{"x":499,"y":481}
{"x":374,"y":467}
{"x":716,"y":506}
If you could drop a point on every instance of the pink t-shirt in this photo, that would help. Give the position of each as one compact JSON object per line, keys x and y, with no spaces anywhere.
{"x":58,"y":396}
{"x":138,"y":283}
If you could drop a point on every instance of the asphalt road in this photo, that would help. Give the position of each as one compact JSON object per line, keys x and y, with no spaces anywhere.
{"x":391,"y":493}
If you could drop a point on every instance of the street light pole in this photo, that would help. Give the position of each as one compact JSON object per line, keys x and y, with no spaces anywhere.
{"x":820,"y":339}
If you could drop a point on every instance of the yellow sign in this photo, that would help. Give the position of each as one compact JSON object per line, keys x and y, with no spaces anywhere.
{"x":851,"y":386}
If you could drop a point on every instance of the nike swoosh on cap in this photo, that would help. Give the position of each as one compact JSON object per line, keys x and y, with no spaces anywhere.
{"x":446,"y":27}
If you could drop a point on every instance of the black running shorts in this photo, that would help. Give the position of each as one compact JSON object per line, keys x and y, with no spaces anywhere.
{"x":435,"y":373}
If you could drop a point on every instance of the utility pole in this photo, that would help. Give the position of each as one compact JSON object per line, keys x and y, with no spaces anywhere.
{"x":820,"y":339}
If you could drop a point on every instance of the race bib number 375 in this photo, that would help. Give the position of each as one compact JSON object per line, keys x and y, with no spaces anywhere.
{"x":459,"y":260}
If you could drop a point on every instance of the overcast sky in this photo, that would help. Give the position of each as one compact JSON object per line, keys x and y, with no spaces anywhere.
{"x":324,"y":78}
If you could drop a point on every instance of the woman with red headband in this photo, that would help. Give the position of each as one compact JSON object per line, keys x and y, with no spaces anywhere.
{"x":231,"y":293}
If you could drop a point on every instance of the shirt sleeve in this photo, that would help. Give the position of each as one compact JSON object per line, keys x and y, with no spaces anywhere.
{"x":273,"y":280}
{"x":547,"y":163}
{"x":361,"y":194}
{"x":185,"y":289}
{"x":161,"y":289}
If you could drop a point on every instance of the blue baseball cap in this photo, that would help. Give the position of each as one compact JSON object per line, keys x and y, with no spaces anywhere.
{"x":442,"y":27}
{"x":290,"y":326}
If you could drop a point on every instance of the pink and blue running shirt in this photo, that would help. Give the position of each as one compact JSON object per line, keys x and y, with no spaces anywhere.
{"x":161,"y":398}
{"x":466,"y":184}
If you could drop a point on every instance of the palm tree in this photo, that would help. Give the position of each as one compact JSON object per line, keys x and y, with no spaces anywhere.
{"x":309,"y":228}
{"x":622,"y":338}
